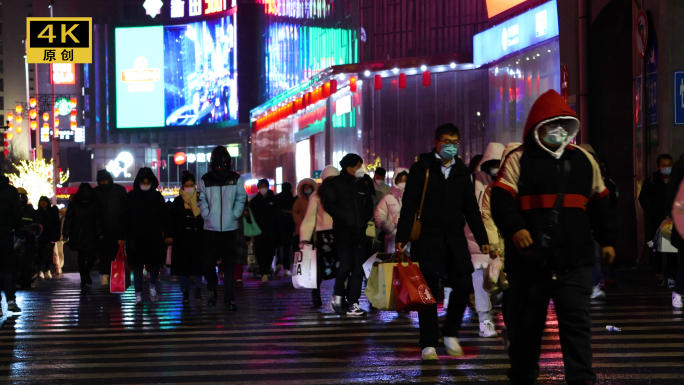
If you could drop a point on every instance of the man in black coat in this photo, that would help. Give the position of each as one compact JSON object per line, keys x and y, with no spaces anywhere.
{"x":10,"y":223}
{"x":285,"y":201}
{"x":111,"y":197}
{"x":269,"y":218}
{"x":653,"y":200}
{"x":442,"y":247}
{"x":349,"y":201}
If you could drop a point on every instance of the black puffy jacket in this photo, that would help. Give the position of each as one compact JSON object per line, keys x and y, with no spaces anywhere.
{"x":111,"y":198}
{"x":82,"y":223}
{"x":349,"y":201}
{"x":10,"y":213}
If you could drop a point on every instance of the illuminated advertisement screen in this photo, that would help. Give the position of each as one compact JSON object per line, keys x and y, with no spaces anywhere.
{"x":177,"y":75}
{"x":295,"y":53}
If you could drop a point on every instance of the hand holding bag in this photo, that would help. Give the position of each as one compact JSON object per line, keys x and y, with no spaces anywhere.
{"x":120,"y":278}
{"x":379,"y":286}
{"x":411,"y":292}
{"x":251,"y":227}
{"x":415,"y":230}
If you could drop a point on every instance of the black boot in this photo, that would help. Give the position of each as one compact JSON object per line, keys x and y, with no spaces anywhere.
{"x":186,"y":297}
{"x":84,"y":282}
{"x":198,"y":293}
{"x":316,"y":298}
{"x":212,"y":298}
{"x":229,"y":306}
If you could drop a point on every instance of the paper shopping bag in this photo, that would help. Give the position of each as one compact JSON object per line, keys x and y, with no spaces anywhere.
{"x":411,"y":292}
{"x":120,"y":277}
{"x":304,"y":269}
{"x":379,"y":286}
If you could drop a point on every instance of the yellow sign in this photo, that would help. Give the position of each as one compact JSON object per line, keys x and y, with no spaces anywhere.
{"x":59,"y":39}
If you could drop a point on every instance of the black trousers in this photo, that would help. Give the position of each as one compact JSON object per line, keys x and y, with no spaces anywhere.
{"x":679,"y":284}
{"x":7,"y":257}
{"x":221,"y":245}
{"x":458,"y":301}
{"x":285,"y":252}
{"x":526,"y":304}
{"x":86,"y":260}
{"x":106,"y":252}
{"x":351,"y":249}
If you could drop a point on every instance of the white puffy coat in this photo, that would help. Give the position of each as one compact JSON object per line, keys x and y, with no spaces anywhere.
{"x":387,"y":213}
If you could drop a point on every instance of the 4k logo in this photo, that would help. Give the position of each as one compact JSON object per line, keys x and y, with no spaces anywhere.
{"x":59,"y":39}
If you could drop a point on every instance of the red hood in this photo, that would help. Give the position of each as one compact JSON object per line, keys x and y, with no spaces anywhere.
{"x":549,"y":105}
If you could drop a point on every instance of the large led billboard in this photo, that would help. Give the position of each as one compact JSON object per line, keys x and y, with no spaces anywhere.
{"x":177,"y":75}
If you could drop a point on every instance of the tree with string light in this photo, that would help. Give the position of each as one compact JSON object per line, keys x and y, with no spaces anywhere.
{"x":36,"y":177}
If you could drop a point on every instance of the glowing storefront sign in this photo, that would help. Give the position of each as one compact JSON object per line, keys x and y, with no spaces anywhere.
{"x":199,"y":7}
{"x":64,"y":73}
{"x":299,"y":9}
{"x":120,"y":165}
{"x":530,"y":28}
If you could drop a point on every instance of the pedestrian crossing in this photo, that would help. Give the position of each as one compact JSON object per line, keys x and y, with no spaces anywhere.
{"x":69,"y":336}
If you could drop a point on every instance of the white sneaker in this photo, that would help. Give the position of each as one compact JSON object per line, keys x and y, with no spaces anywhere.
{"x":447,"y":293}
{"x":138,"y":299}
{"x":356,"y":311}
{"x":597,"y":293}
{"x":48,"y":275}
{"x":487,"y":329}
{"x":105,"y":279}
{"x":154,"y":297}
{"x":671,"y":283}
{"x":287,"y":273}
{"x":677,"y":300}
{"x":453,"y":347}
{"x":41,"y":275}
{"x":429,"y":354}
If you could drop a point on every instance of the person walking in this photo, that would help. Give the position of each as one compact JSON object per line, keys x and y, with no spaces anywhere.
{"x":482,"y":177}
{"x":305,"y":189}
{"x":389,"y":208}
{"x":550,"y":203}
{"x":31,"y":229}
{"x":58,"y":254}
{"x":349,"y":201}
{"x":10,"y":224}
{"x":285,"y":201}
{"x":187,"y":250}
{"x":242,"y":244}
{"x":221,"y":202}
{"x":111,"y":197}
{"x":653,"y":200}
{"x":675,"y":202}
{"x":49,"y":218}
{"x":148,"y":231}
{"x":442,"y":247}
{"x":83,"y":227}
{"x":317,"y":225}
{"x":269,"y":218}
{"x":379,"y":180}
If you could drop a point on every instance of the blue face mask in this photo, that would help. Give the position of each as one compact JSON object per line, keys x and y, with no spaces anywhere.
{"x":556,"y":136}
{"x":449,"y":151}
{"x":666,"y":170}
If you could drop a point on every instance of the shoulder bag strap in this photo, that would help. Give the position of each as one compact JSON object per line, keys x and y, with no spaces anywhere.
{"x":422,"y":199}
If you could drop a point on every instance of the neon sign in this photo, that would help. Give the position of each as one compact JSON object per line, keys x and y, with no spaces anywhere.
{"x":200,"y":7}
{"x":64,"y":73}
{"x":530,"y":28}
{"x":120,"y":165}
{"x":311,"y":9}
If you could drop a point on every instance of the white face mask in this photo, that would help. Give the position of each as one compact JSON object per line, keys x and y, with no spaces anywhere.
{"x":378,"y":182}
{"x":401,"y":186}
{"x":493,"y":172}
{"x":360,"y":173}
{"x":189,"y":190}
{"x":145,"y":187}
{"x":263,"y":191}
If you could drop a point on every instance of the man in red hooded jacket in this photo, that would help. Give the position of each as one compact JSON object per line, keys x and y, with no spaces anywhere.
{"x":550,"y":203}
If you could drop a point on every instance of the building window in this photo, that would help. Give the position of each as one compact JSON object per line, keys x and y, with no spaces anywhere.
{"x":2,"y":85}
{"x":2,"y":67}
{"x":2,"y":103}
{"x":2,"y":119}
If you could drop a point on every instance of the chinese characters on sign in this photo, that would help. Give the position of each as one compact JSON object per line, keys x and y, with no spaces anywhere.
{"x":200,"y":7}
{"x":59,"y":40}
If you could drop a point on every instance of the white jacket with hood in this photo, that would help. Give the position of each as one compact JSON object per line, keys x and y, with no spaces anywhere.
{"x":481,"y":180}
{"x":387,"y":213}
{"x":316,"y":219}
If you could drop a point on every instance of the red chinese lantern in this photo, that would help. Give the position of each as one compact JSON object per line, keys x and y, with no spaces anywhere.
{"x":10,"y":116}
{"x":19,"y":119}
{"x":333,"y":86}
{"x":326,"y":90}
{"x":33,"y":102}
{"x":10,"y":126}
{"x":179,"y":158}
{"x":33,"y":125}
{"x":378,"y":82}
{"x":33,"y":113}
{"x":56,"y":132}
{"x":393,"y":85}
{"x":352,"y":84}
{"x":56,"y":122}
{"x":72,"y":124}
{"x":402,"y":81}
{"x":46,"y":116}
{"x":19,"y":130}
{"x":9,"y":136}
{"x":5,"y":151}
{"x":73,"y":102}
{"x":46,"y":126}
{"x":18,"y":108}
{"x":426,"y":78}
{"x":6,"y":143}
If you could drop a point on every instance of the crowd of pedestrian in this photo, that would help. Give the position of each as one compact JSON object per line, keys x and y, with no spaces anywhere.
{"x":542,"y":212}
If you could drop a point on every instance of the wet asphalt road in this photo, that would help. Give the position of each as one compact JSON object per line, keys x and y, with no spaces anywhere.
{"x":66,"y":335}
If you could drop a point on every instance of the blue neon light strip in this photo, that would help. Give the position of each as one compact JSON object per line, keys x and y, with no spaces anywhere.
{"x":530,"y":28}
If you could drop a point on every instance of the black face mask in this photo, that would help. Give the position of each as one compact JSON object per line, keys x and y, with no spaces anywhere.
{"x":219,"y":163}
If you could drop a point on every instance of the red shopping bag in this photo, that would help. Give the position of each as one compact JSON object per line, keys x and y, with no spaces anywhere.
{"x":411,"y":292}
{"x":120,"y":278}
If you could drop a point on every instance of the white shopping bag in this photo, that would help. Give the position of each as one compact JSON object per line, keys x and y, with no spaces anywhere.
{"x":304,"y":268}
{"x":368,"y":266}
